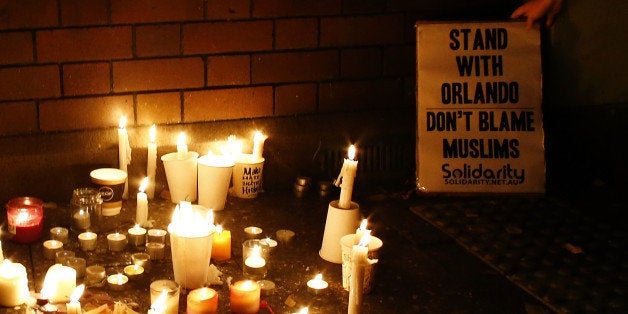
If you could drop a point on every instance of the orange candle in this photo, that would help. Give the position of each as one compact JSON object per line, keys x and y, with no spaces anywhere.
{"x":221,"y":246}
{"x":245,"y":297}
{"x":202,"y":301}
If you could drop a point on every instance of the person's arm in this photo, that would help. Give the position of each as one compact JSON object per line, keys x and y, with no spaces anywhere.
{"x":534,"y":10}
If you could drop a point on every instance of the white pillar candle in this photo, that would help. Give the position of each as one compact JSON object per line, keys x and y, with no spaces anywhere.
{"x":141,"y":209}
{"x":258,"y":144}
{"x":182,"y":147}
{"x":151,"y":162}
{"x":124,"y":152}
{"x":59,"y":283}
{"x":133,"y":271}
{"x":345,"y":179}
{"x":359,"y":261}
{"x":137,"y":235}
{"x":13,"y":284}
{"x":74,"y":307}
{"x":59,"y":234}
{"x":116,"y":242}
{"x":87,"y":240}
{"x":51,"y":247}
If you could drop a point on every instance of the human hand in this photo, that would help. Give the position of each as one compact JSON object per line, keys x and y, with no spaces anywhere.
{"x":537,"y":9}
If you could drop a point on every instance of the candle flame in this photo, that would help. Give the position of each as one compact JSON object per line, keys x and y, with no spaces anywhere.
{"x":152,"y":133}
{"x":159,"y":305}
{"x":366,"y":238}
{"x":363,"y":224}
{"x":351,"y":152}
{"x":304,"y":310}
{"x":318,"y":277}
{"x":181,"y":139}
{"x":143,"y":184}
{"x":77,"y":293}
{"x":219,"y":229}
{"x":122,"y":123}
{"x":189,"y":222}
{"x":259,"y":136}
{"x":22,"y":217}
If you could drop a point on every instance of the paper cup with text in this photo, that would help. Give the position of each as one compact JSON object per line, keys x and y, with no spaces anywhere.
{"x":347,"y":242}
{"x":110,"y":184}
{"x":181,"y":175}
{"x":214,"y":176}
{"x":247,"y":176}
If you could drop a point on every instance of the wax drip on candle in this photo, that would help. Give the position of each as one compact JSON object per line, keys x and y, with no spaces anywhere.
{"x":361,"y":231}
{"x":346,"y":177}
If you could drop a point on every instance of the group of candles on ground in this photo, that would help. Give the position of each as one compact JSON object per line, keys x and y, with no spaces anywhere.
{"x":194,"y":240}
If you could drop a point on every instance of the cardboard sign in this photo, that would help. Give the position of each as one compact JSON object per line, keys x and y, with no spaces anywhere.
{"x":479,"y":117}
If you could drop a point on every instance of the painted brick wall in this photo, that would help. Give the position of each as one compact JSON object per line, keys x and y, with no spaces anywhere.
{"x":70,"y":65}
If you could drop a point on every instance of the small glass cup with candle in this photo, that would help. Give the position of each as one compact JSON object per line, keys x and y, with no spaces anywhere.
{"x":172,"y":290}
{"x":202,"y":301}
{"x":51,"y":247}
{"x":255,"y":259}
{"x":25,"y":219}
{"x":244,"y":297}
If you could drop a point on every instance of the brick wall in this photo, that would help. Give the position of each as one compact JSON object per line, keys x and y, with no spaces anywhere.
{"x":75,"y":65}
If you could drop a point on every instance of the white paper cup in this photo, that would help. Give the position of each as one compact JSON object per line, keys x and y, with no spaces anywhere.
{"x":339,"y":222}
{"x":214,"y":176}
{"x":247,"y":176}
{"x":190,"y":258}
{"x":181,"y":175}
{"x":347,"y":242}
{"x":110,"y":183}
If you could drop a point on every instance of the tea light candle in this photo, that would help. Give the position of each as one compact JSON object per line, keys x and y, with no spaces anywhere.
{"x":133,"y":271}
{"x":59,"y":234}
{"x":157,"y":235}
{"x":182,"y":147}
{"x":202,"y":301}
{"x":141,"y":259}
{"x":116,"y":242}
{"x":95,"y":275}
{"x":51,"y":247}
{"x":117,"y":282}
{"x":151,"y":162}
{"x":137,"y":235}
{"x":78,"y":264}
{"x":359,"y":261}
{"x":317,"y":285}
{"x":87,"y":240}
{"x":270,"y":242}
{"x":244,"y":297}
{"x":155,"y":250}
{"x":221,"y":246}
{"x":13,"y":284}
{"x":252,"y":232}
{"x":359,"y":233}
{"x":346,"y":178}
{"x":62,"y":256}
{"x":168,"y":292}
{"x":74,"y":307}
{"x":141,"y":209}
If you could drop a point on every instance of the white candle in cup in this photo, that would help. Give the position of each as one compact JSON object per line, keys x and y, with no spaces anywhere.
{"x":59,"y":234}
{"x":88,"y":240}
{"x":258,"y":144}
{"x":82,"y":219}
{"x":359,"y":261}
{"x":133,"y":271}
{"x":51,"y":247}
{"x":346,"y":178}
{"x":317,"y":285}
{"x":116,"y":242}
{"x":124,"y":152}
{"x":137,"y":235}
{"x":141,"y":209}
{"x":182,"y":147}
{"x":74,"y":307}
{"x":151,"y":162}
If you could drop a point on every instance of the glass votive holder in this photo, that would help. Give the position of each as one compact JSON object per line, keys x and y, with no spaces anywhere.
{"x":171,"y":288}
{"x":202,"y":301}
{"x":155,"y":250}
{"x":88,"y":240}
{"x":62,"y":256}
{"x":79,"y":264}
{"x":95,"y":275}
{"x":141,"y":259}
{"x":59,"y":234}
{"x":255,"y":255}
{"x":156,"y":235}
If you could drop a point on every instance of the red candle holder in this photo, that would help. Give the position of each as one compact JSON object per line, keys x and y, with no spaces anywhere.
{"x":25,"y":217}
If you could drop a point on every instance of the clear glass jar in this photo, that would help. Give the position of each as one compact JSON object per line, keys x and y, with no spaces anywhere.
{"x":86,"y":213}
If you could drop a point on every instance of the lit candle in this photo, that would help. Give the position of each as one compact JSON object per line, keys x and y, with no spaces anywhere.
{"x":133,"y":271}
{"x":151,"y":162}
{"x":244,"y":297}
{"x":359,"y":261}
{"x":82,"y":220}
{"x":252,"y":232}
{"x":345,"y":179}
{"x":137,"y":235}
{"x":359,"y":233}
{"x":13,"y":284}
{"x":25,"y":217}
{"x":202,"y":301}
{"x":157,"y":235}
{"x":158,"y":306}
{"x":272,"y":244}
{"x":182,"y":147}
{"x":59,"y":234}
{"x":117,"y":282}
{"x":317,"y":285}
{"x":141,"y":209}
{"x":221,"y":246}
{"x":258,"y":144}
{"x":164,"y":296}
{"x":74,"y":307}
{"x":59,"y":283}
{"x":304,"y":310}
{"x":124,"y":152}
{"x":116,"y":242}
{"x":51,"y":247}
{"x":88,"y":240}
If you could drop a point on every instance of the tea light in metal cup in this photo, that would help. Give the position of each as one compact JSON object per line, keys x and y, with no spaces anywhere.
{"x":155,"y":250}
{"x":137,"y":235}
{"x":79,"y":264}
{"x":134,"y":272}
{"x":51,"y":247}
{"x":252,"y":232}
{"x":95,"y":275}
{"x":59,"y":234}
{"x":141,"y":259}
{"x":62,"y":256}
{"x":117,"y":282}
{"x":156,"y":235}
{"x":88,"y":240}
{"x":116,"y":242}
